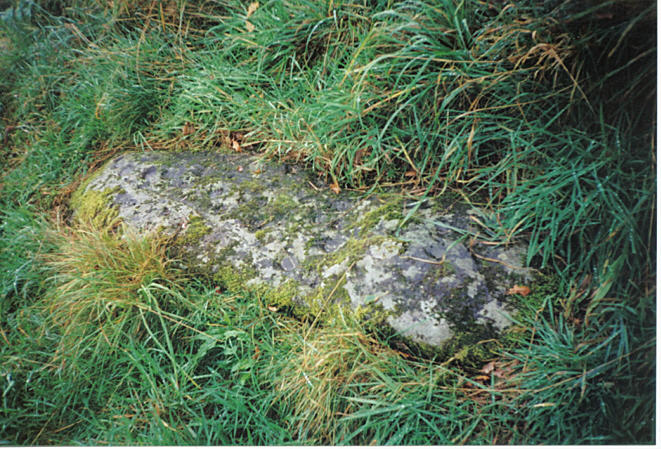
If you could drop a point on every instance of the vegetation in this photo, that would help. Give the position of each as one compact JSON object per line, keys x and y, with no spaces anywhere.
{"x":542,"y":113}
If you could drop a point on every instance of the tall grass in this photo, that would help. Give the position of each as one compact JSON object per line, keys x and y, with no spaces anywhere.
{"x":541,"y":113}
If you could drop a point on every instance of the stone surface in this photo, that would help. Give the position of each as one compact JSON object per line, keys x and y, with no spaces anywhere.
{"x":273,"y":228}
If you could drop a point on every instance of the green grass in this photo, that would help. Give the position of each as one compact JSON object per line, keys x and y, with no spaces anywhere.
{"x":542,"y":115}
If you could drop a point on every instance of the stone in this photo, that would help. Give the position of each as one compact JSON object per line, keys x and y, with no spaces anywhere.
{"x":259,"y":225}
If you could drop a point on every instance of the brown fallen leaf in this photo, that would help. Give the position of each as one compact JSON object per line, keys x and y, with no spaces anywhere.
{"x":519,"y":290}
{"x":250,"y":27}
{"x":236,"y":146}
{"x":272,"y":308}
{"x":411,"y":174}
{"x":335,"y":188}
{"x":486,"y":369}
{"x":239,"y":168}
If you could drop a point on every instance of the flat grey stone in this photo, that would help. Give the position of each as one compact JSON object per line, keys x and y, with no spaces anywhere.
{"x":264,"y":224}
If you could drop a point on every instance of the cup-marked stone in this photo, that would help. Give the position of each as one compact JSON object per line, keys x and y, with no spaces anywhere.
{"x":256,"y":224}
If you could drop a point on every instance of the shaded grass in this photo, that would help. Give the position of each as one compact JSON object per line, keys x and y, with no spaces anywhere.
{"x":543,"y":114}
{"x":573,"y":392}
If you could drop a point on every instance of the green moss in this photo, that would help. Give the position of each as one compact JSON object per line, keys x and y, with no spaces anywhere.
{"x":195,"y":230}
{"x":448,"y":202}
{"x":474,"y":345}
{"x":283,"y":296}
{"x":372,"y":314}
{"x":254,"y":213}
{"x":332,"y":292}
{"x":282,"y":205}
{"x":252,"y":186}
{"x":95,"y":206}
{"x":261,"y":235}
{"x":457,"y":312}
{"x":545,"y":286}
{"x":391,"y":209}
{"x":351,"y":251}
{"x":233,"y":279}
{"x":237,"y":279}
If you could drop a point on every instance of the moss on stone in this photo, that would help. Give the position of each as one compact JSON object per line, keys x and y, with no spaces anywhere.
{"x":95,"y":206}
{"x":372,"y":314}
{"x":273,"y":216}
{"x":282,"y":205}
{"x":391,"y":209}
{"x":261,"y":235}
{"x":233,"y":279}
{"x":283,"y":296}
{"x":349,"y":253}
{"x":253,"y":213}
{"x":196,"y":229}
{"x":238,"y":279}
{"x":458,"y":313}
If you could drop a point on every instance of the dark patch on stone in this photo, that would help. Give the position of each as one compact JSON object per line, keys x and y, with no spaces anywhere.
{"x":125,"y":198}
{"x":148,"y":172}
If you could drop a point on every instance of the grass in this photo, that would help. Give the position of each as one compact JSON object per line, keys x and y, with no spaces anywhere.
{"x":543,"y":115}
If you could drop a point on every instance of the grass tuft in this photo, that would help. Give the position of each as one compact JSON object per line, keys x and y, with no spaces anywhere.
{"x":96,"y":275}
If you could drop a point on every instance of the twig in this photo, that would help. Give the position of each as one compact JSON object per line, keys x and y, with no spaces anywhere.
{"x":435,"y":262}
{"x":489,"y":259}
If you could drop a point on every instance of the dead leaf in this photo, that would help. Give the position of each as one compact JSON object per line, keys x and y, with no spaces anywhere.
{"x":358,"y":157}
{"x":411,"y":174}
{"x":481,"y":377}
{"x":335,"y":188}
{"x":486,"y":369}
{"x":272,"y":308}
{"x":519,"y":290}
{"x":239,"y":168}
{"x":250,"y":27}
{"x":256,"y":356}
{"x":236,"y":146}
{"x":257,"y":172}
{"x":252,"y":8}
